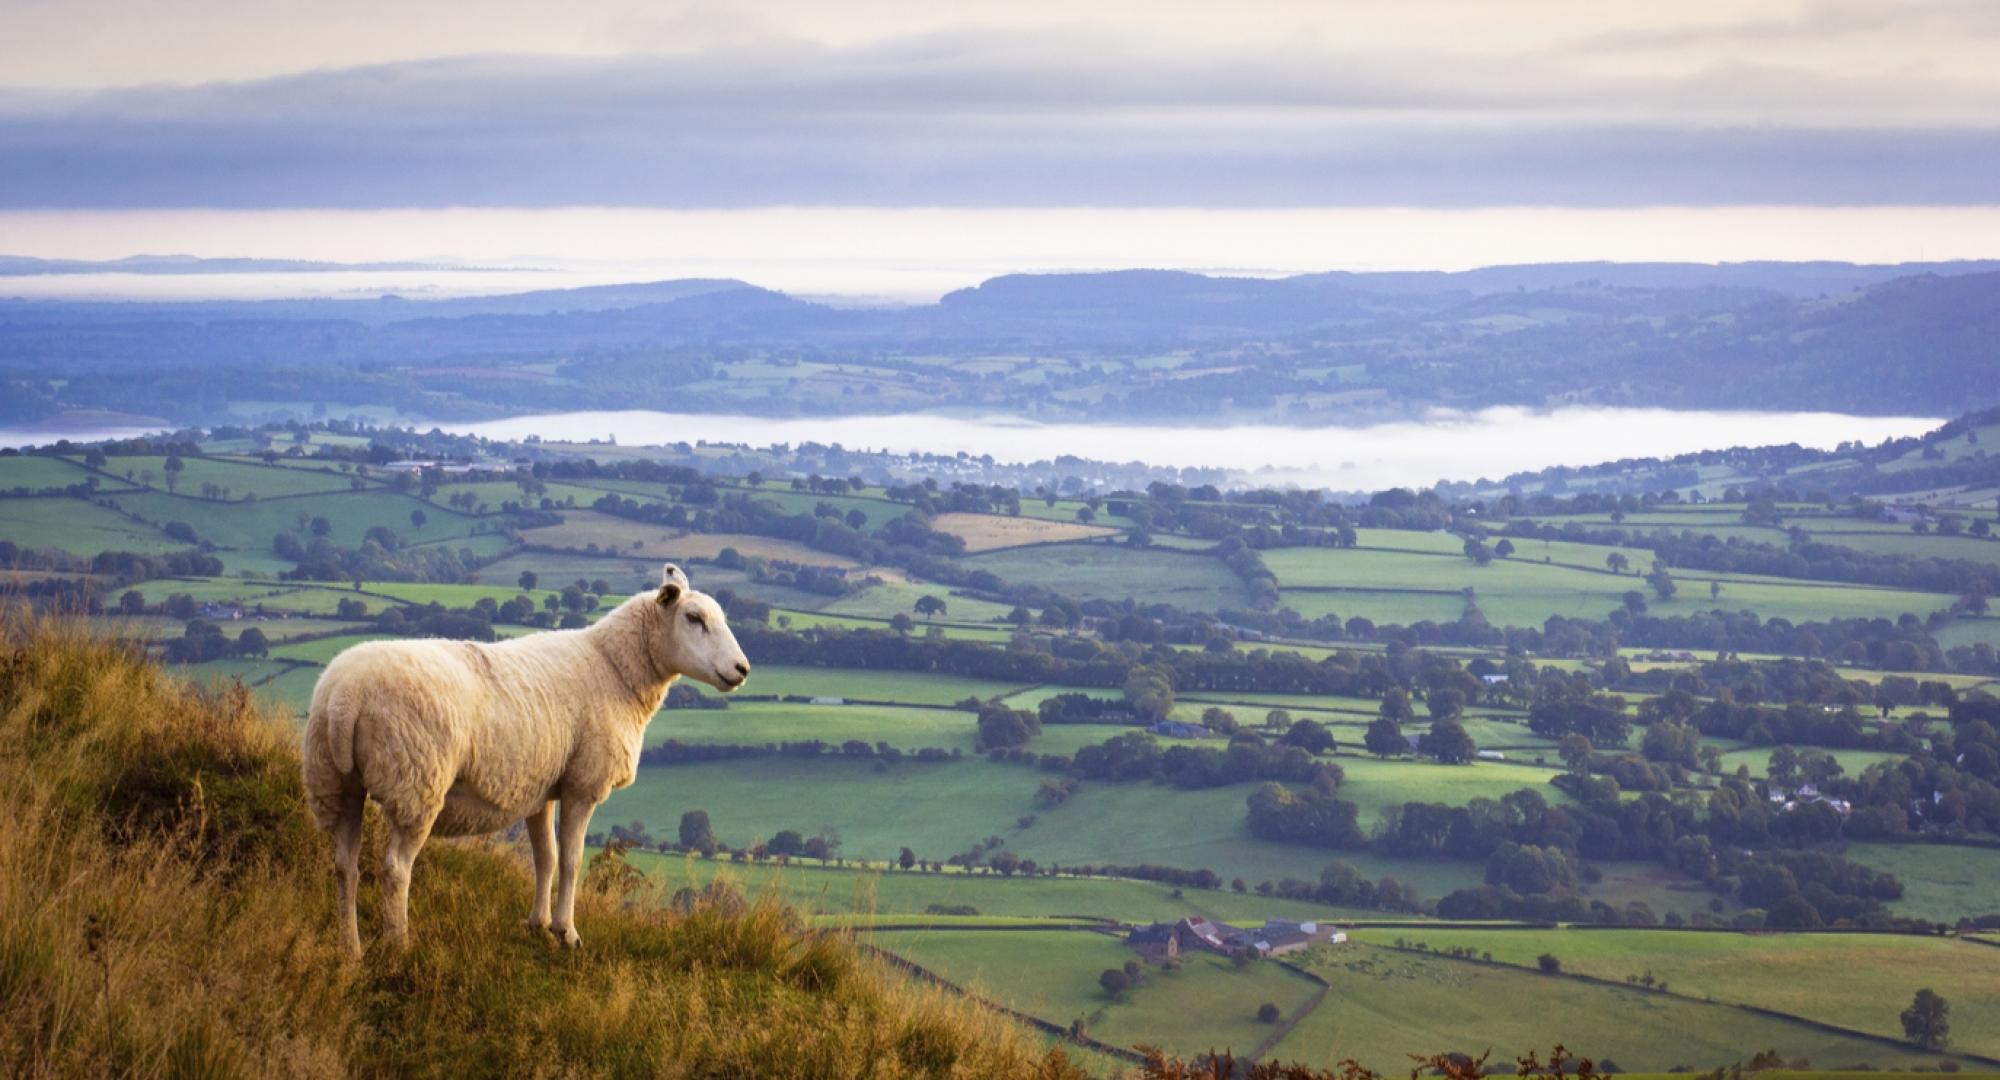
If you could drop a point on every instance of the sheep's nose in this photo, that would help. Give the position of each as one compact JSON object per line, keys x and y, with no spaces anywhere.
{"x":743,"y":668}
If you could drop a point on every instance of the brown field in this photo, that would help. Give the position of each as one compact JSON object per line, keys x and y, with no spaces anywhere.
{"x":987,"y":532}
{"x":638,"y":539}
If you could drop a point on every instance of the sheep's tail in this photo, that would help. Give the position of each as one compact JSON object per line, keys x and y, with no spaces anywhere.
{"x":329,"y":749}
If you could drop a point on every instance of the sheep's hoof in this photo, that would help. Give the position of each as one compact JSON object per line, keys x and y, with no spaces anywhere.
{"x":538,"y":925}
{"x":568,"y":936}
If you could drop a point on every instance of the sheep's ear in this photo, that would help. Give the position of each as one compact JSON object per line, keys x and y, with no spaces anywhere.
{"x":669,"y":594}
{"x":673,"y":575}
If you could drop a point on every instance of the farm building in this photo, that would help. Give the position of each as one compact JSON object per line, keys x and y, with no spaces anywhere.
{"x":1179,"y":730}
{"x":1156,"y":943}
{"x":1276,"y":937}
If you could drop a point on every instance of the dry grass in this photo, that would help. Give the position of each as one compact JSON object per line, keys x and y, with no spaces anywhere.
{"x":988,"y":532}
{"x":166,"y":910}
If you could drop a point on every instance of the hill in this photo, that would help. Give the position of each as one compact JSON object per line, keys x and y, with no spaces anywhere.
{"x":169,"y":913}
{"x":1126,"y":345}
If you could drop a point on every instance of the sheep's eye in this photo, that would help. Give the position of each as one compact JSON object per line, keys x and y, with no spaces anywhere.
{"x":696,"y":619}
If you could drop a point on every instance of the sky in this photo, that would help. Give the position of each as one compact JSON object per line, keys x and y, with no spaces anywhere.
{"x":1258,"y":136}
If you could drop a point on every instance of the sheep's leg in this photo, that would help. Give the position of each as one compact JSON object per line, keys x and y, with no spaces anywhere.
{"x":347,"y":865}
{"x":575,"y":821}
{"x":542,"y":837}
{"x":404,"y":843}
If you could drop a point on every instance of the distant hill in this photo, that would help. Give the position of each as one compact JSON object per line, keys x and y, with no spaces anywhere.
{"x":1134,"y":345}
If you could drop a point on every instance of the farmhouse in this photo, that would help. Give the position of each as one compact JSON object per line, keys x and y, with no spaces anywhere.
{"x":1158,"y":941}
{"x":1178,"y":729}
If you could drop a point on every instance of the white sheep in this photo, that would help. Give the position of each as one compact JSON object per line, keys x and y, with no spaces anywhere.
{"x":453,"y":738}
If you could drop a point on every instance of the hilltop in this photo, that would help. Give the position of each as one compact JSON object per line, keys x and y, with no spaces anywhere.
{"x":170,"y":913}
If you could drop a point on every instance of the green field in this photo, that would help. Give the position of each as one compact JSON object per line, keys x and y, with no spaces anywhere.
{"x":242,"y":480}
{"x":903,"y":687}
{"x":1208,"y":1004}
{"x":903,"y":896}
{"x":900,"y":598}
{"x":1809,"y":975}
{"x":758,"y":722}
{"x":252,"y":525}
{"x":1116,"y":572}
{"x":1515,"y":593}
{"x":1386,"y":1004}
{"x":78,"y":527}
{"x":1940,"y":881}
{"x":37,"y":473}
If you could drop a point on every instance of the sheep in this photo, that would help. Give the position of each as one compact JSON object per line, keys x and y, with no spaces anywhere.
{"x":456,"y":738}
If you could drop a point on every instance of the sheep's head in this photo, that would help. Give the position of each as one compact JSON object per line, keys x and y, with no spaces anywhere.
{"x":697,"y":641}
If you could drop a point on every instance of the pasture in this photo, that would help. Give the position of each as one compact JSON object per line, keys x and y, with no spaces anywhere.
{"x":903,"y":687}
{"x":588,"y":530}
{"x":907,"y":895}
{"x":990,"y":532}
{"x":1809,"y":975}
{"x":241,"y":480}
{"x":1208,"y":1004}
{"x":38,"y":473}
{"x":1940,"y":881}
{"x":349,"y":515}
{"x":756,"y":723}
{"x":1386,"y":1003}
{"x":1512,"y":592}
{"x":78,"y":527}
{"x":1117,"y":572}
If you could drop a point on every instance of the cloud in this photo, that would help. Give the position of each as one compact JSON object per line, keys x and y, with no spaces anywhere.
{"x":1006,"y":119}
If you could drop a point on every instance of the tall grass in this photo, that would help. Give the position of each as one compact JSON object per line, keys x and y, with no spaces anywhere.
{"x":167,"y":910}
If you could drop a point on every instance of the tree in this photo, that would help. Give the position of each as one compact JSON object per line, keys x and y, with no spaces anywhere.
{"x":1549,"y":964}
{"x":1114,"y":982}
{"x":901,"y":623}
{"x":1448,"y":743}
{"x":252,"y":642}
{"x":906,"y":858}
{"x":1575,"y":750}
{"x":1269,"y":1013}
{"x":1396,"y":706}
{"x":418,"y":518}
{"x":1662,"y":583}
{"x":1504,"y":548}
{"x":1927,"y":1022}
{"x":696,"y":833}
{"x":786,"y":842}
{"x":1617,"y":562}
{"x":929,"y":606}
{"x":174,"y":467}
{"x":1385,"y":738}
{"x":1308,"y":735}
{"x":132,"y":603}
{"x":528,"y":580}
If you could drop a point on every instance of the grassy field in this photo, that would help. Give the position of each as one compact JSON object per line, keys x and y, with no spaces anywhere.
{"x":555,"y":569}
{"x":759,"y":722}
{"x":242,"y":480}
{"x":581,"y":529}
{"x":1116,"y":572}
{"x":1512,"y":592}
{"x":36,"y":473}
{"x":897,"y":895}
{"x":905,"y":687}
{"x":1758,"y":759}
{"x":79,"y":527}
{"x":1385,"y":1004}
{"x":1208,"y":1004}
{"x":1809,"y":975}
{"x":252,"y":525}
{"x":1940,"y":881}
{"x":936,"y":809}
{"x":899,"y":598}
{"x":988,"y":532}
